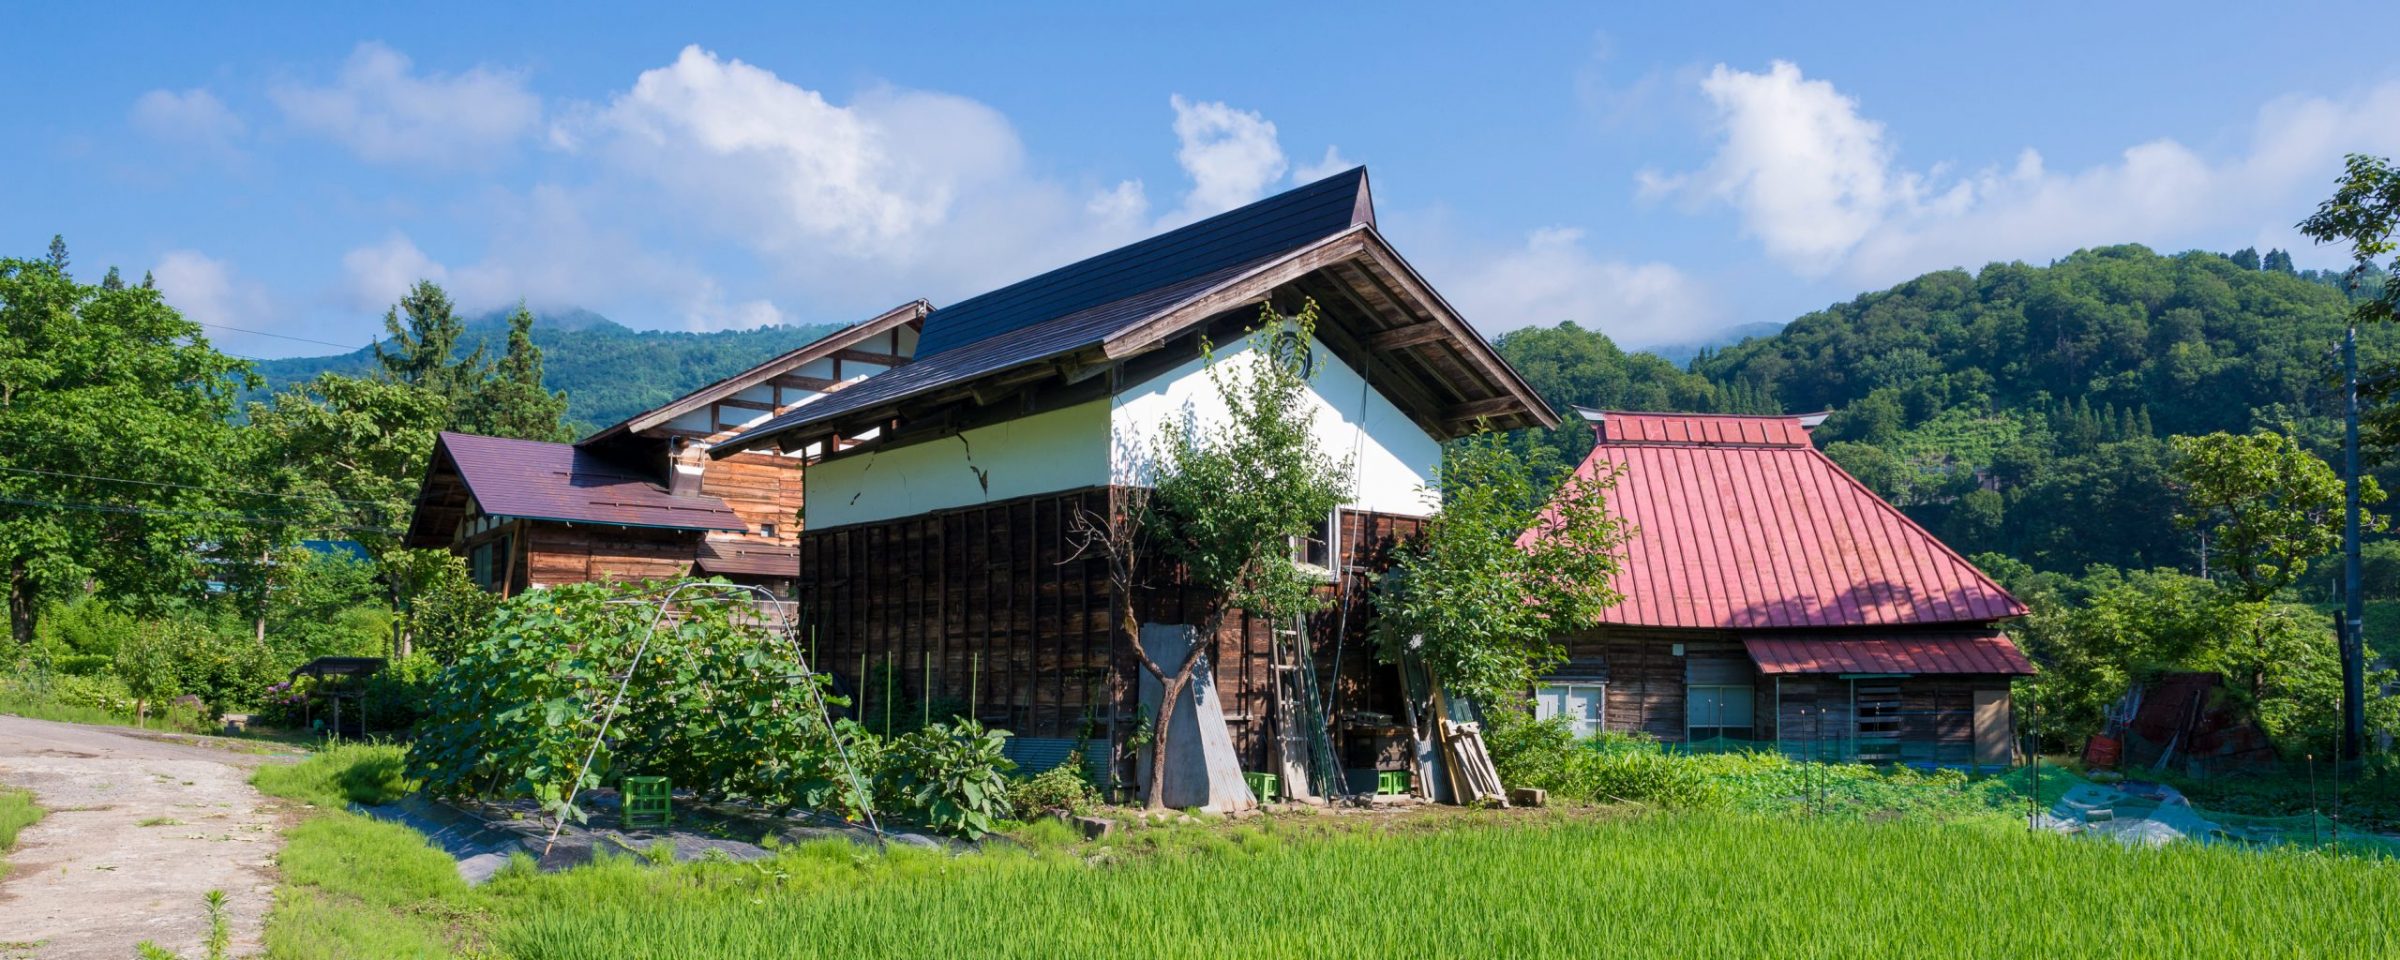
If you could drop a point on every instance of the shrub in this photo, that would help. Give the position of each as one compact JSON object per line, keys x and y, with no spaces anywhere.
{"x":1061,"y":789}
{"x":952,"y":777}
{"x":721,"y":705}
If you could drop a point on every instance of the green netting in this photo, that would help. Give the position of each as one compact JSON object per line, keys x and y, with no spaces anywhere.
{"x":2137,"y":812}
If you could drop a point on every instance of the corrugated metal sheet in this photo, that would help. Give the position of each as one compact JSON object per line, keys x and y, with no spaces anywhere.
{"x":559,"y":481}
{"x":1742,"y":524}
{"x":1277,"y":224}
{"x":749,"y":559}
{"x":1986,"y":652}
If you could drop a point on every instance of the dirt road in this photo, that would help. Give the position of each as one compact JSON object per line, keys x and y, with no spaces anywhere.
{"x":139,"y":829}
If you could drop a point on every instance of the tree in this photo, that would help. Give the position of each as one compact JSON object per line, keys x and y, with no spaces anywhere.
{"x":2277,"y":261}
{"x":2264,"y":508}
{"x":2246,"y":258}
{"x":511,"y":401}
{"x":424,"y":346}
{"x":115,"y":445}
{"x":353,"y":447}
{"x":1500,"y":572}
{"x":1229,"y":498}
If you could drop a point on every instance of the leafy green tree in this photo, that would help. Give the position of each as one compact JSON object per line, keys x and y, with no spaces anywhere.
{"x":1500,"y":573}
{"x":146,"y":662}
{"x":2263,"y":507}
{"x":2364,"y":213}
{"x":2278,"y":261}
{"x":1230,"y":498}
{"x":349,"y":451}
{"x":2246,"y":258}
{"x":425,"y":333}
{"x":115,"y":445}
{"x":511,"y":401}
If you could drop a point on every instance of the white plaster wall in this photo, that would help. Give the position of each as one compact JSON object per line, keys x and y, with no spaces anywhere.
{"x":1392,"y":458}
{"x":1059,"y":450}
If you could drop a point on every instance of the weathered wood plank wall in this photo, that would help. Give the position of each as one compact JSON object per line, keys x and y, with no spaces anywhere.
{"x":994,"y":600}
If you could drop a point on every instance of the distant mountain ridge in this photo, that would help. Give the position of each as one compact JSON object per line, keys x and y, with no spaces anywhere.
{"x":1681,"y":354}
{"x":609,"y":371}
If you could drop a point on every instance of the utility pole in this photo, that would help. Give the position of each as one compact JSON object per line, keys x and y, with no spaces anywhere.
{"x":2354,"y":672}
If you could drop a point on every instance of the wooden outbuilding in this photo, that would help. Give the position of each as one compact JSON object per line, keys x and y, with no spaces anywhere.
{"x":939,"y":561}
{"x":1770,"y":599}
{"x":642,"y":499}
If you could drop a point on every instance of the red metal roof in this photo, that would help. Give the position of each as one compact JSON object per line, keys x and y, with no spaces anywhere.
{"x":1986,"y":651}
{"x":560,"y":481}
{"x":1740,"y":523}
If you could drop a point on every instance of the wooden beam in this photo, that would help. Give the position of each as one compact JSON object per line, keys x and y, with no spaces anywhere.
{"x":1408,"y":336}
{"x":796,"y":381}
{"x":869,"y":356}
{"x":741,"y":404}
{"x":1483,"y":409}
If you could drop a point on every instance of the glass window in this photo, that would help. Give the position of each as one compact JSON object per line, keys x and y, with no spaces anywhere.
{"x":1584,"y":704}
{"x":1717,"y":711}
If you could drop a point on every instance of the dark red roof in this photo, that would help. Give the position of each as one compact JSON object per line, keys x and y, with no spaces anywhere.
{"x":1982,"y":651}
{"x":560,"y":481}
{"x":749,"y":559}
{"x":1741,"y":523}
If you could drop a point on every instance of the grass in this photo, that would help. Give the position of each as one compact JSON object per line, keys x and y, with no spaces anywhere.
{"x":17,"y":811}
{"x":1504,"y":883}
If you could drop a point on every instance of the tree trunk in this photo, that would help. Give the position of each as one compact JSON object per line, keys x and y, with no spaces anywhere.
{"x":20,"y":603}
{"x":1170,"y":691}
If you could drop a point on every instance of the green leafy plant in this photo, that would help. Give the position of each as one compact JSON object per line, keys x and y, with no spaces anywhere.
{"x":716,"y":702}
{"x":953,"y":777}
{"x":1064,"y":789}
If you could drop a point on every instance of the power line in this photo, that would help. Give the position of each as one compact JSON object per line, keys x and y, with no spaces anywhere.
{"x":186,"y":486}
{"x":286,"y":336}
{"x":118,"y":508}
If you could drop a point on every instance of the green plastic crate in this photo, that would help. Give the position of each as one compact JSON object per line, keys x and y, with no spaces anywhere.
{"x":1267,"y":786}
{"x":1382,"y":782}
{"x":647,"y":802}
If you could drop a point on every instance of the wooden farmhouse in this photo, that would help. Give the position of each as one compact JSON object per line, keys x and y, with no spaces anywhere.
{"x":1771,"y":599}
{"x":938,"y":561}
{"x":642,"y":499}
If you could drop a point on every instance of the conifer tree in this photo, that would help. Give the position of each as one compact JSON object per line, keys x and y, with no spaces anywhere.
{"x":511,"y":402}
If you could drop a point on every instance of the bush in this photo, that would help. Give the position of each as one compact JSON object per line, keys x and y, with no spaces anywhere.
{"x":1063,"y":789}
{"x":1613,"y":768}
{"x":721,"y":705}
{"x":952,"y":777}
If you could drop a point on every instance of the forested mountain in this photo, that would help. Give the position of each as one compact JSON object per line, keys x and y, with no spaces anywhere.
{"x":608,"y":370}
{"x":2019,"y":409}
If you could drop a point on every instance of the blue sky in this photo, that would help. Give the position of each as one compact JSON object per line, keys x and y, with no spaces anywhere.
{"x":1656,"y":172}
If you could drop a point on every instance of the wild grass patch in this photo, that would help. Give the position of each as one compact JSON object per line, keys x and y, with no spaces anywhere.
{"x":17,"y":811}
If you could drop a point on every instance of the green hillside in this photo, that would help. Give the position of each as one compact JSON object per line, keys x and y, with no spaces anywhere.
{"x":2011,"y":408}
{"x":608,"y":370}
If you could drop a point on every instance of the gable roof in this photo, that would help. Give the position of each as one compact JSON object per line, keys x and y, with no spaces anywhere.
{"x":1741,"y":523}
{"x":1130,"y":300}
{"x":552,"y":481}
{"x":907,"y":313}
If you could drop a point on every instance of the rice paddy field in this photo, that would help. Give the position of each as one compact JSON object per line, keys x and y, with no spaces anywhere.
{"x":1515,"y":884}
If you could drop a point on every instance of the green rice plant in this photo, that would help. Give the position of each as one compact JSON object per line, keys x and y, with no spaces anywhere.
{"x":1660,"y":885}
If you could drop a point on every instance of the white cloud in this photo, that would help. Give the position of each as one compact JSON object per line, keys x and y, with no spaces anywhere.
{"x":1231,"y":155}
{"x":375,"y":277}
{"x":192,"y":118}
{"x":850,"y":206}
{"x":1817,"y":183}
{"x":206,"y":290}
{"x":1333,"y":163}
{"x":387,"y":113}
{"x":1552,"y":278}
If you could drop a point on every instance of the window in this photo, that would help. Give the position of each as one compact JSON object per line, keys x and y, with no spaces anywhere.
{"x":1717,"y":711}
{"x":1315,"y":548}
{"x":487,"y":563}
{"x":1583,"y":704}
{"x":766,"y":529}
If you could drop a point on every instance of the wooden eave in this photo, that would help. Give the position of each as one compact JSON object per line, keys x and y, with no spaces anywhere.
{"x":1434,"y":366}
{"x":841,"y":343}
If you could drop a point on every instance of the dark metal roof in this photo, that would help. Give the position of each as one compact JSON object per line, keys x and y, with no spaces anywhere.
{"x":993,"y":354}
{"x":1277,"y":224}
{"x":1984,"y":651}
{"x":749,"y":559}
{"x":339,"y":667}
{"x":564,"y":482}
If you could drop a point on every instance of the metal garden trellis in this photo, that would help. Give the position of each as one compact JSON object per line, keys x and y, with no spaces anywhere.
{"x":714,"y":592}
